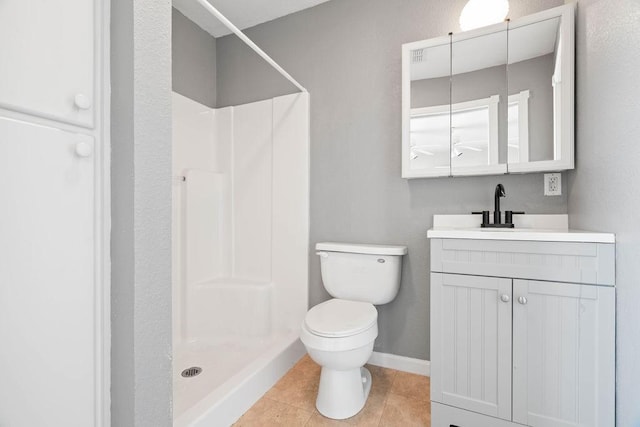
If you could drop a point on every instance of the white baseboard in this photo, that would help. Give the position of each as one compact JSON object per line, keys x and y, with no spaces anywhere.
{"x":401,"y":363}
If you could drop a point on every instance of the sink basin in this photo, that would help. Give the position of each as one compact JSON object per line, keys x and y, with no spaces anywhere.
{"x":525,"y":222}
{"x":517,"y":230}
{"x":532,"y":227}
{"x":505,"y":230}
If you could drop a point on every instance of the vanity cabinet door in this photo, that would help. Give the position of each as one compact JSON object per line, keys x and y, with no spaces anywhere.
{"x":471,"y":343}
{"x":563,"y":358}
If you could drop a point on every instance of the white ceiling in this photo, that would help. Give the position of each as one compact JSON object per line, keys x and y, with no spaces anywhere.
{"x":242,"y":13}
{"x":526,"y":42}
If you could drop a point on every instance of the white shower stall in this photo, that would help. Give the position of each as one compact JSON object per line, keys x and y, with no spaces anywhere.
{"x":240,"y":251}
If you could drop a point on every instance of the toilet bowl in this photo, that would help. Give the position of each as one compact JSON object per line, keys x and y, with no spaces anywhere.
{"x":339,"y":336}
{"x":339,"y":333}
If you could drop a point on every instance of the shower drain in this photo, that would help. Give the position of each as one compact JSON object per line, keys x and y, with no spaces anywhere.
{"x":191,"y":372}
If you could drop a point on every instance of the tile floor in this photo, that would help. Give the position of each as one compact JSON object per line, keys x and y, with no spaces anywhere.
{"x":396,"y":399}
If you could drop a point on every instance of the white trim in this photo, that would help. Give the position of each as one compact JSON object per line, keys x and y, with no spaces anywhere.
{"x":539,"y":166}
{"x":493,"y":151}
{"x":457,"y":107}
{"x":492,"y":166}
{"x":543,"y":15}
{"x":522,"y":99}
{"x":102,"y":84}
{"x":479,"y":32}
{"x":491,"y":104}
{"x":407,"y":172}
{"x":499,"y":169}
{"x":564,"y":115}
{"x":567,"y":35}
{"x":401,"y":363}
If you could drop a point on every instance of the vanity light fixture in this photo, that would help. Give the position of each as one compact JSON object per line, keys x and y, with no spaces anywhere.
{"x":480,"y":13}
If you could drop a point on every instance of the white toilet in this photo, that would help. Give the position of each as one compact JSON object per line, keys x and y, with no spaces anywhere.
{"x":339,"y":333}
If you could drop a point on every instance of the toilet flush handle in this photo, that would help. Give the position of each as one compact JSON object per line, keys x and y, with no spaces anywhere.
{"x":322,"y":254}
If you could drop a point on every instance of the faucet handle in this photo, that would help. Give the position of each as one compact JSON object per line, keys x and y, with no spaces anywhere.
{"x":485,"y":217}
{"x":508,"y":216}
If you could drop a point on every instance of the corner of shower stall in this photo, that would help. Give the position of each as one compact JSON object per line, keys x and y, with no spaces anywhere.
{"x":240,"y":252}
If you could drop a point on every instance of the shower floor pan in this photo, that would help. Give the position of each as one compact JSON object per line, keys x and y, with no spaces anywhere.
{"x":235,"y":374}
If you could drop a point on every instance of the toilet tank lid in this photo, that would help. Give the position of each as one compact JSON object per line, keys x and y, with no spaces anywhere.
{"x":358,"y":248}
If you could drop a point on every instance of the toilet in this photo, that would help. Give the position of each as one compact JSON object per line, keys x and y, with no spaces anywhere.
{"x":339,"y":333}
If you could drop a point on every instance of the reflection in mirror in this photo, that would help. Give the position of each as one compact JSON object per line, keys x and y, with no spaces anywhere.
{"x":429,"y":119}
{"x":534,"y":78}
{"x":493,"y":100}
{"x":479,"y":110}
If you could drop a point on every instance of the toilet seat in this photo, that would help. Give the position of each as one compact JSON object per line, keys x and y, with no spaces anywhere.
{"x":340,"y":325}
{"x":338,"y":318}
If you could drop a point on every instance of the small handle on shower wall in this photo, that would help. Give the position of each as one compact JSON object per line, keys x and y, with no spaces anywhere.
{"x":322,"y":254}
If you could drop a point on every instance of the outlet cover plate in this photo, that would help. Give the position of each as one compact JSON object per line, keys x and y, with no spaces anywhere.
{"x":552,"y":184}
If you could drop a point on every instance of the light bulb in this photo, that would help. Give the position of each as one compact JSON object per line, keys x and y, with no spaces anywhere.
{"x":480,"y":13}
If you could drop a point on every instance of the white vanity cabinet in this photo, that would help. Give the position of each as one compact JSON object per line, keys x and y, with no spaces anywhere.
{"x":48,"y":56}
{"x":522,"y":333}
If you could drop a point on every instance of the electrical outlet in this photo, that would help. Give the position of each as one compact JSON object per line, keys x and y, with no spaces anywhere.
{"x":552,"y":184}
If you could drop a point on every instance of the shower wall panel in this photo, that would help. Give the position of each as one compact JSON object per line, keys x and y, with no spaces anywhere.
{"x":205,"y":225}
{"x":241,"y":218}
{"x":290,"y":222}
{"x":252,"y":190}
{"x":193,"y":148}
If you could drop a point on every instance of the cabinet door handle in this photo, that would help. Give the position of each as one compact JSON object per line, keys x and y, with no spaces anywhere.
{"x":82,"y":101}
{"x":84,"y":149}
{"x":522,"y":300}
{"x":505,"y":298}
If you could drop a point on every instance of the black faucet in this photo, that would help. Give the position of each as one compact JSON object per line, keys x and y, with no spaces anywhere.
{"x":497,"y":215}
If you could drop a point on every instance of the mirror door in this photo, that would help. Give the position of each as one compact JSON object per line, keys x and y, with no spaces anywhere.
{"x":535,"y":95}
{"x":494,"y":100}
{"x":427,"y":111}
{"x":478,"y":109}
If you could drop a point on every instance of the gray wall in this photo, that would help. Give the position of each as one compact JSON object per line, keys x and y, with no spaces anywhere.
{"x":347,"y":54}
{"x":193,"y":60}
{"x":603,"y":190}
{"x":433,"y":91}
{"x":141,"y":213}
{"x":532,"y":74}
{"x":465,"y":87}
{"x":535,"y":75}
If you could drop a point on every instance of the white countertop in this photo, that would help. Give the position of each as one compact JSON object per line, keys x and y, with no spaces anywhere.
{"x":546,"y":228}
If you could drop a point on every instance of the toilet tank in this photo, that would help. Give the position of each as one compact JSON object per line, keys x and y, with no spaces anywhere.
{"x":359,"y":272}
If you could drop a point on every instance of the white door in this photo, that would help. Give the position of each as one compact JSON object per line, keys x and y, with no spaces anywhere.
{"x":563,"y":358}
{"x":471,"y":343}
{"x":47,"y":283}
{"x":47,"y":58}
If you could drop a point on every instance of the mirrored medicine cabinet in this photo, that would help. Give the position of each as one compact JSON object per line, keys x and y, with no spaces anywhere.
{"x":494,"y":100}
